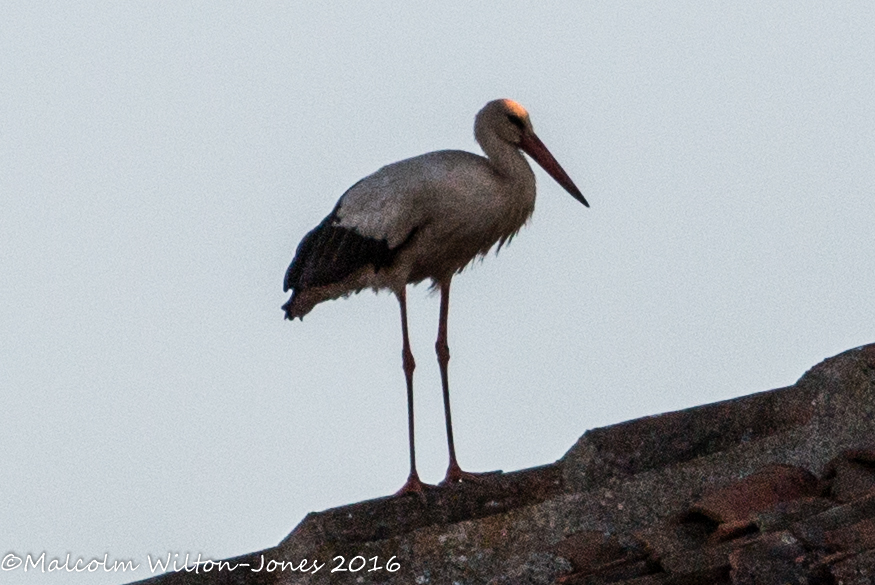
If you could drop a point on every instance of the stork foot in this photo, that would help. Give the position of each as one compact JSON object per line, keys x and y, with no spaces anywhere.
{"x":455,"y":475}
{"x":414,"y":485}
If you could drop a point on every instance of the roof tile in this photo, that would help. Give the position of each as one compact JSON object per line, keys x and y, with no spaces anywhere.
{"x":761,"y":490}
{"x":851,"y":474}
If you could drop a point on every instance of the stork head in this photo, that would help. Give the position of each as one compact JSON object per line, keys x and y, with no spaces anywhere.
{"x":506,"y":118}
{"x":510,"y":122}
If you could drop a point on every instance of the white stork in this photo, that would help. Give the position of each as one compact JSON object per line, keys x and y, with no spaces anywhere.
{"x":425,"y":217}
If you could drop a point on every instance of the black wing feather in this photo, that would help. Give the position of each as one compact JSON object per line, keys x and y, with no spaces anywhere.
{"x":330,"y":253}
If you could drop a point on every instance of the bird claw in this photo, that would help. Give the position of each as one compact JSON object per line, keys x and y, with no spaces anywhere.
{"x":414,"y":485}
{"x":456,"y":475}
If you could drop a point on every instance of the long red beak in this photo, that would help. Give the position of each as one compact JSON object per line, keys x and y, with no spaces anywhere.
{"x":532,"y":145}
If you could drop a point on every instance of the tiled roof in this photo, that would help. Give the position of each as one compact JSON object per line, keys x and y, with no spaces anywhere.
{"x":775,"y":487}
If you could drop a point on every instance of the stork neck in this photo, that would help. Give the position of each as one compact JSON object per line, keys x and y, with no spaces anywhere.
{"x":507,"y":159}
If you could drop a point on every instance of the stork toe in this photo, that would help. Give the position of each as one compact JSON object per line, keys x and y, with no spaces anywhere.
{"x":414,"y":485}
{"x":456,"y":475}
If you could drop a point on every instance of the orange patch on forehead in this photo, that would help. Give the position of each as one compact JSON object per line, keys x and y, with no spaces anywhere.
{"x":515,"y":109}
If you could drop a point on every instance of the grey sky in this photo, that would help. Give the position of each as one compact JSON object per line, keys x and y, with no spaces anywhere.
{"x":159,"y":164}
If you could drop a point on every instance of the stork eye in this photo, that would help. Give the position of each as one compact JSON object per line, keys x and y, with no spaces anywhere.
{"x":516,"y":121}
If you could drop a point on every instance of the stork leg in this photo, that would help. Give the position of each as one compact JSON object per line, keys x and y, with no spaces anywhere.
{"x":413,"y":484}
{"x":454,"y":472}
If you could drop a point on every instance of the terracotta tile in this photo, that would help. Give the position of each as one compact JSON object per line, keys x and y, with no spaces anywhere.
{"x":589,"y":549}
{"x":759,"y":491}
{"x":774,"y":558}
{"x":598,"y":558}
{"x":669,"y":537}
{"x":814,"y":530}
{"x":851,"y":474}
{"x":854,"y":538}
{"x":617,"y":572}
{"x":783,"y":514}
{"x":707,"y":561}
